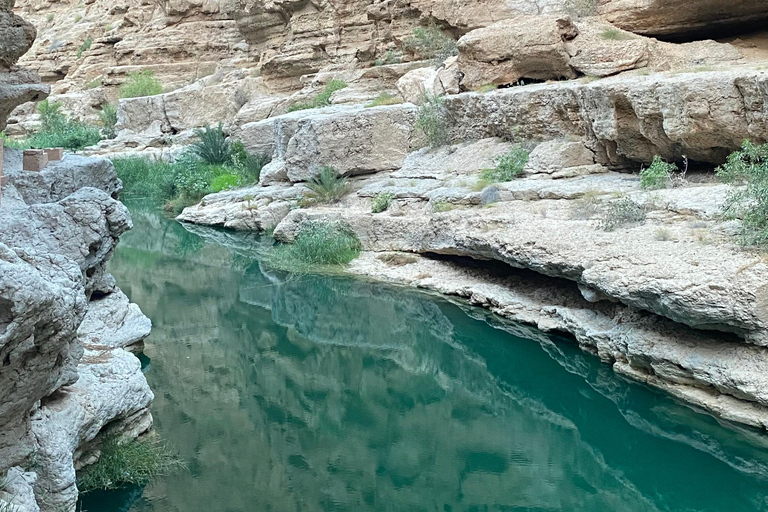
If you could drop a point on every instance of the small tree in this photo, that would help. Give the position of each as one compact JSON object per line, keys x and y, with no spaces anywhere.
{"x":432,"y":120}
{"x":748,"y":167}
{"x":658,"y":175}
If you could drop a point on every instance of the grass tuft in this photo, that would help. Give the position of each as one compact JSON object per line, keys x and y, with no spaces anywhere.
{"x":621,"y":212}
{"x":134,"y":462}
{"x":317,"y":245}
{"x":323,"y":99}
{"x":141,"y":83}
{"x":108,"y":119}
{"x":385,"y":98}
{"x":614,"y":34}
{"x":382,"y":201}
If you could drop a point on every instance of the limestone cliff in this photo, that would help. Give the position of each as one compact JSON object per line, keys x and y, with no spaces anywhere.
{"x":63,"y":322}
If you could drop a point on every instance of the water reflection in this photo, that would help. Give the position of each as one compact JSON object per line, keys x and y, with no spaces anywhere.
{"x":321,"y":393}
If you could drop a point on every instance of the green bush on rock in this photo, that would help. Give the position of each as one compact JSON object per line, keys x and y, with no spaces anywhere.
{"x":323,"y":99}
{"x":58,"y":130}
{"x":749,"y":168}
{"x":317,"y":244}
{"x":432,"y":121}
{"x":508,"y":166}
{"x":621,"y":212}
{"x":133,"y":462}
{"x":141,"y":83}
{"x":193,"y":175}
{"x":658,"y":175}
{"x":381,"y":202}
{"x":430,"y":43}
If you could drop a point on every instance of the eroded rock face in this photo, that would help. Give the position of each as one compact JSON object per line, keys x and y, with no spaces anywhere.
{"x":679,"y":17}
{"x":65,"y":374}
{"x":17,"y":85}
{"x":522,"y":47}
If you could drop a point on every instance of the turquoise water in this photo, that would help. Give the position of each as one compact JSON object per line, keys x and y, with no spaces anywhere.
{"x":328,"y":393}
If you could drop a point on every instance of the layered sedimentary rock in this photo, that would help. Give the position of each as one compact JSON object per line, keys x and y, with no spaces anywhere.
{"x":681,"y":18}
{"x":63,"y":326}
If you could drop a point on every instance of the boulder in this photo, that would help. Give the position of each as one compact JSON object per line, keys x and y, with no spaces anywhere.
{"x":523,"y":47}
{"x":428,"y":80}
{"x":678,"y":18}
{"x":555,"y":155}
{"x":17,"y":85}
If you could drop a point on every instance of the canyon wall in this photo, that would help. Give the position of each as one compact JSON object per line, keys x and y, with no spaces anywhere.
{"x":65,"y":375}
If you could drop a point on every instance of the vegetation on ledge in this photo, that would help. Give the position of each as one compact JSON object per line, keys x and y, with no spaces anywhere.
{"x":211,"y":165}
{"x":749,"y":202}
{"x":317,"y":245}
{"x":323,"y":99}
{"x":134,"y":462}
{"x":58,"y":130}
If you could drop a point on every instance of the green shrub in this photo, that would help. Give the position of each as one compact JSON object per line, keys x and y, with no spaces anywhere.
{"x":323,"y":99}
{"x":317,"y":244}
{"x":58,"y":130}
{"x":385,"y":98}
{"x":382,"y":201}
{"x":225,"y":182}
{"x":145,"y":178}
{"x":621,"y":212}
{"x":84,"y":47}
{"x":441,"y":206}
{"x":430,"y":43}
{"x":748,"y":167}
{"x":508,"y":166}
{"x":658,"y":175}
{"x":93,"y":84}
{"x":389,"y":57}
{"x":327,"y":187}
{"x":432,"y":121}
{"x":108,"y":119}
{"x":247,"y":165}
{"x":134,"y":462}
{"x":141,"y":83}
{"x":213,"y":147}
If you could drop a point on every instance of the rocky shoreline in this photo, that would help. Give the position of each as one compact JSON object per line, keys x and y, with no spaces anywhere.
{"x":672,"y":301}
{"x":68,"y":379}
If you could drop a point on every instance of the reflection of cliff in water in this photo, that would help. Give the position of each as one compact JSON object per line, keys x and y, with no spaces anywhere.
{"x":319,"y":393}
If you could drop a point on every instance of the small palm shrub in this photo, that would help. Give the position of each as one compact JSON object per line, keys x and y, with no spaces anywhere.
{"x":213,"y":147}
{"x":323,"y":99}
{"x":108,"y":119}
{"x":328,"y":187}
{"x":658,"y":175}
{"x":748,"y":167}
{"x":133,"y":462}
{"x":508,"y":166}
{"x":141,"y":83}
{"x":430,"y":43}
{"x":432,"y":121}
{"x":382,"y":201}
{"x":317,"y":244}
{"x":621,"y":212}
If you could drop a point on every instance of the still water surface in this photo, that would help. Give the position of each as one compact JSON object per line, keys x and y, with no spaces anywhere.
{"x":334,"y":394}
